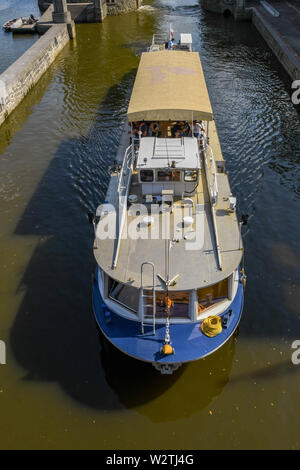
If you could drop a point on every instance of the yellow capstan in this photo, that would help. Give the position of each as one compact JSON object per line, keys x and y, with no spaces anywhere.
{"x":212,"y":326}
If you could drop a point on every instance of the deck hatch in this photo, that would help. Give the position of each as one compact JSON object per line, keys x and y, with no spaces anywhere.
{"x":158,"y":153}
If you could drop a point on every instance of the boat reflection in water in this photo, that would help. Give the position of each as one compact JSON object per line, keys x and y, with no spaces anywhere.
{"x":137,"y":386}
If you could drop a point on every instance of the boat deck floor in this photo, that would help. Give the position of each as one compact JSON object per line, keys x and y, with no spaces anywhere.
{"x":196,"y":266}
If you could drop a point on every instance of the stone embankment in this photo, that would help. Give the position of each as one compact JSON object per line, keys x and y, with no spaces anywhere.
{"x":16,"y":81}
{"x":277,"y":21}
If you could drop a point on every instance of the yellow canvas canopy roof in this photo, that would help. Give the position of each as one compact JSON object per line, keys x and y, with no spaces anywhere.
{"x":169,"y":85}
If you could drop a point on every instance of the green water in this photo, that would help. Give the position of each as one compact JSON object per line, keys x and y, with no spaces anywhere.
{"x":64,"y":388}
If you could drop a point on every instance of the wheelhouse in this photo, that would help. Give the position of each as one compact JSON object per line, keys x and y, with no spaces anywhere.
{"x":168,"y":164}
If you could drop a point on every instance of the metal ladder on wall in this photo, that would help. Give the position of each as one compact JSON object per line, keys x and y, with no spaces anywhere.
{"x":148,"y":299}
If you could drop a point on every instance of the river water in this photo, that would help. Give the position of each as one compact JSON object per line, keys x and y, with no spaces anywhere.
{"x":60,"y":387}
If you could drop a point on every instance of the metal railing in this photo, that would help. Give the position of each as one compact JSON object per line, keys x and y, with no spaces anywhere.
{"x":211,"y":170}
{"x":212,"y":184}
{"x":126,"y":165}
{"x":158,"y":42}
{"x":123,"y":189}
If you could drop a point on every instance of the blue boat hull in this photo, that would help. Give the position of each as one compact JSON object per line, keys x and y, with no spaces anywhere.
{"x":188,"y":341}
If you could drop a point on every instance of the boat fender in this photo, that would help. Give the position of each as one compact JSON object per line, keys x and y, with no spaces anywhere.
{"x":167,"y":349}
{"x":243,"y":278}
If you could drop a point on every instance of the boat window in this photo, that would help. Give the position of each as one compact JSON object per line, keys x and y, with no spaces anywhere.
{"x":211,"y":295}
{"x":190,"y":175}
{"x":168,"y":175}
{"x":124,"y":294}
{"x":146,"y":176}
{"x":179,"y":304}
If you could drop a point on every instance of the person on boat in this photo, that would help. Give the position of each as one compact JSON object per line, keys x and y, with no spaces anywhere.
{"x":171,"y":44}
{"x":154,"y":129}
{"x":198,"y":130}
{"x":186,"y":130}
{"x":143,"y":129}
{"x":134,"y":131}
{"x":175,"y":131}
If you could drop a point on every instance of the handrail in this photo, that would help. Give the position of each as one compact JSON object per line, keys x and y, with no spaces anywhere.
{"x":158,"y":39}
{"x":123,"y":190}
{"x":127,"y":157}
{"x":213,"y":196}
{"x":216,"y":237}
{"x":212,"y":185}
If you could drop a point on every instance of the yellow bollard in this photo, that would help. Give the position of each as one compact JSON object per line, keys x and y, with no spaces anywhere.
{"x":167,"y":349}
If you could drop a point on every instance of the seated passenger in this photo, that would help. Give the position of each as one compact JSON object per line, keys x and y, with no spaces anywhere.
{"x":185,"y":130}
{"x":171,"y":44}
{"x":154,"y":129}
{"x":176,"y":129}
{"x":143,"y":129}
{"x":198,"y":130}
{"x":135,"y":129}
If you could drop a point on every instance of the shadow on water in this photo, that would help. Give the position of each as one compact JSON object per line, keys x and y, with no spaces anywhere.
{"x":138,"y":384}
{"x":272,"y":372}
{"x":54,"y":336}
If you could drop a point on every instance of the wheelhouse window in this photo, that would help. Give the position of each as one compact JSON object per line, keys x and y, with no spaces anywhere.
{"x":211,"y":295}
{"x":146,"y":176}
{"x":124,"y":294}
{"x":190,"y":175}
{"x":168,"y":175}
{"x":178,"y":304}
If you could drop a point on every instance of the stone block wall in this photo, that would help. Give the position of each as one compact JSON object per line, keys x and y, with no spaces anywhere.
{"x":235,"y":7}
{"x":44,"y":4}
{"x":286,"y":56}
{"x":95,"y":10}
{"x":22,"y":75}
{"x":118,"y":7}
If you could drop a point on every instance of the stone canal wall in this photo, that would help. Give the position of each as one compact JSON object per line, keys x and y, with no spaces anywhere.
{"x":23,"y":74}
{"x":44,"y":4}
{"x":280,"y":47}
{"x":118,"y":7}
{"x":57,"y":25}
{"x":280,"y":32}
{"x":235,"y":8}
{"x":95,"y":10}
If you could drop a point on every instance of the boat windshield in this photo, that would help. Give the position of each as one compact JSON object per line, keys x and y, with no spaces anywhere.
{"x":209,"y":296}
{"x":124,"y":294}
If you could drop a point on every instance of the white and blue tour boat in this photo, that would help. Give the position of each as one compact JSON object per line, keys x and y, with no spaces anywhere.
{"x":169,"y":282}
